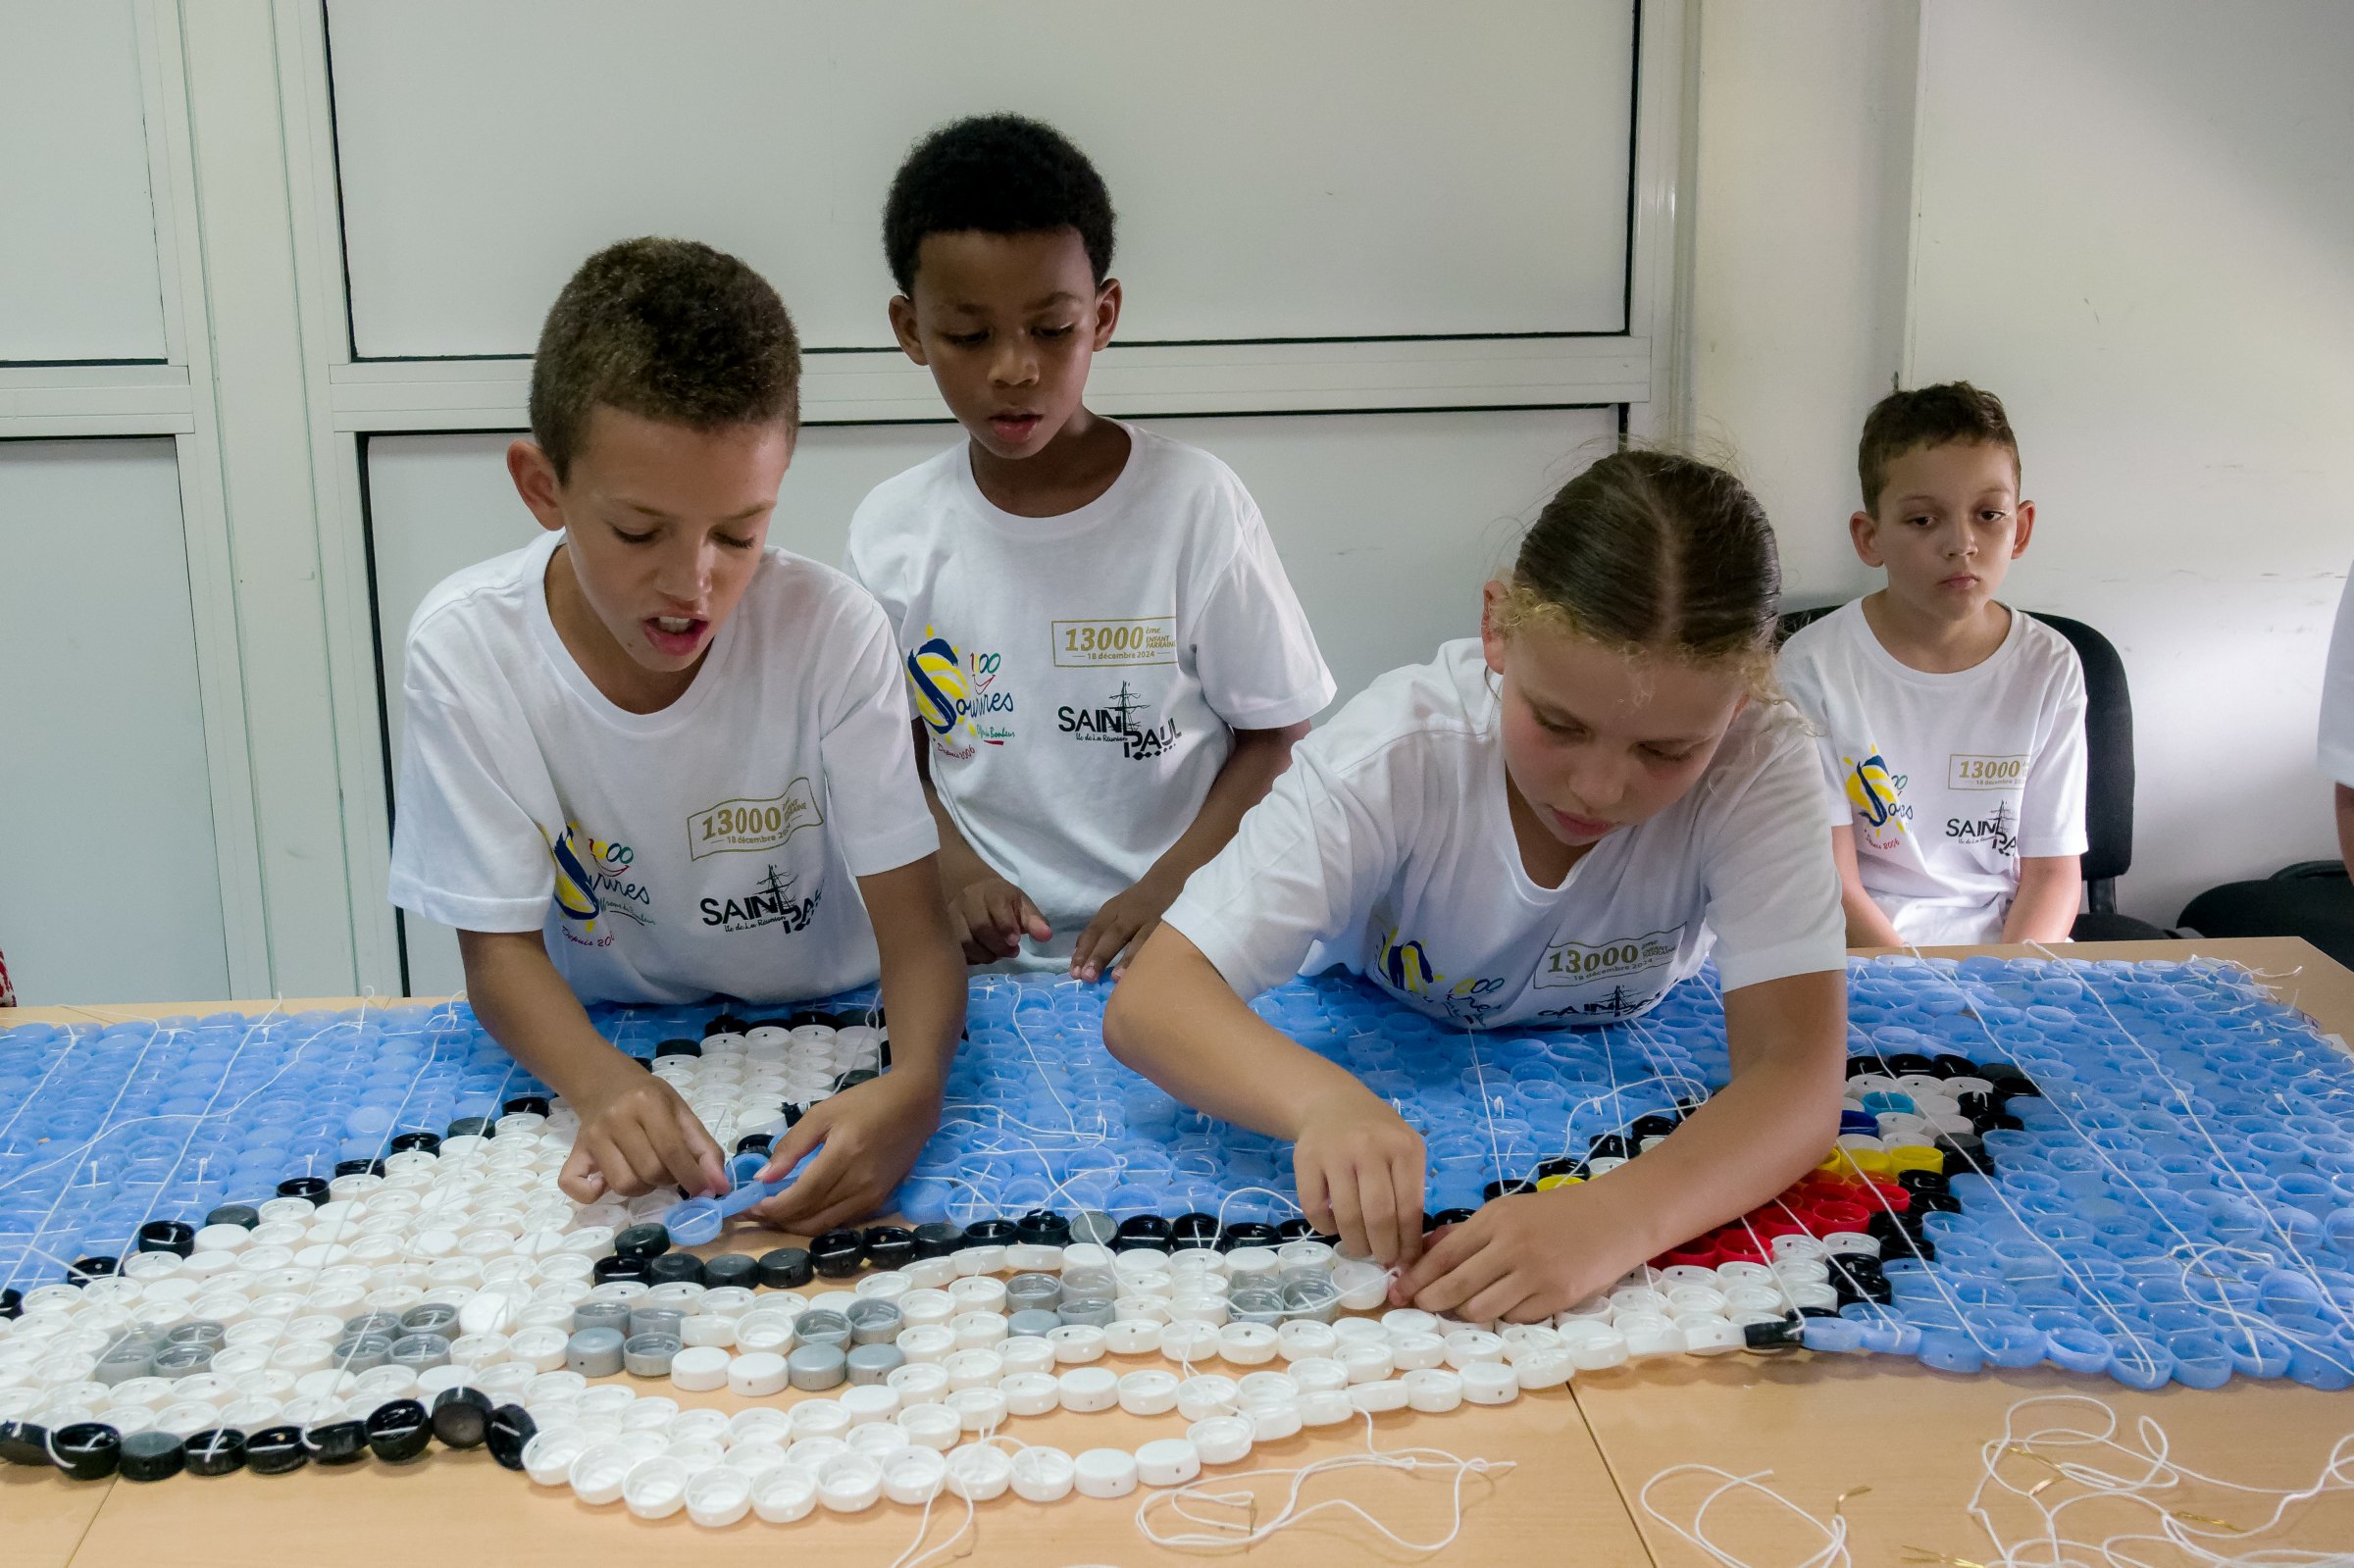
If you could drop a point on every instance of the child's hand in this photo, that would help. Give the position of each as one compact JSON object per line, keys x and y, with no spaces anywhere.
{"x":1359,"y":1169}
{"x":636,"y":1134}
{"x":1525,"y":1258}
{"x":990,"y":915}
{"x":1120,"y":928}
{"x":871,"y":1134}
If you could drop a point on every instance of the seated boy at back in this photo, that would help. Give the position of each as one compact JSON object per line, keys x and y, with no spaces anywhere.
{"x":649,"y":758}
{"x":1953,"y":726}
{"x":1107,"y":661}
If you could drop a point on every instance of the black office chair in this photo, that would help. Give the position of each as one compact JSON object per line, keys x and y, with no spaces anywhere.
{"x":2108,"y":778}
{"x":2311,"y":899}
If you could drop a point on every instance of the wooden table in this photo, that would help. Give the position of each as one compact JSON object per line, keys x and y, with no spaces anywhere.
{"x":1824,"y":1426}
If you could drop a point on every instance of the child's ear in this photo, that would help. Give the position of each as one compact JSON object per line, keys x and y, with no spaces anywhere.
{"x":2025,"y":514}
{"x":535,"y":477}
{"x":1491,"y":635}
{"x":902,"y":328}
{"x":1108,"y":313}
{"x":1863,"y":531}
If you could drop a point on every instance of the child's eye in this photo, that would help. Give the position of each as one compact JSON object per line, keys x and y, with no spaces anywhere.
{"x":965,"y":339}
{"x":1921,"y":521}
{"x":731,"y":542}
{"x":627,"y":538}
{"x":1054,"y":331}
{"x":1664,"y":755}
{"x":1993,"y":515}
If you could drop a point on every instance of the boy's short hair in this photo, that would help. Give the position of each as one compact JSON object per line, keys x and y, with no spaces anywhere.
{"x":1000,"y":174}
{"x":667,"y":328}
{"x":1928,"y":415}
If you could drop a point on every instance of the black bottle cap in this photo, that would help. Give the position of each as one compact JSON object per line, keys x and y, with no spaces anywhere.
{"x":1686,"y":1104}
{"x":167,"y":1236}
{"x":1906,"y":1064}
{"x":646,"y":1062}
{"x":1610,"y":1146}
{"x":275,"y":1450}
{"x":855,"y":1078}
{"x":725,"y":1023}
{"x":647,"y":1240}
{"x":732,"y":1268}
{"x":463,"y":1127}
{"x":337,"y":1442}
{"x":23,"y":1442}
{"x":889,"y":1247}
{"x":1654,"y":1125}
{"x":1496,"y":1189}
{"x":792,"y":1114}
{"x":1095,"y":1227}
{"x":1857,"y":1065}
{"x":1558,"y":1165}
{"x":399,"y":1432}
{"x":310,"y":1187}
{"x":1446,"y":1217}
{"x":779,"y":1022}
{"x":808,"y":1016}
{"x":1779,"y":1334}
{"x":755,"y":1144}
{"x":788,"y":1268}
{"x":1045,"y":1228}
{"x":1193,"y":1231}
{"x":991,"y":1233}
{"x":883,"y":1054}
{"x":215,"y":1451}
{"x":679,"y":1047}
{"x":87,"y":1450}
{"x":462,"y":1417}
{"x":528,"y":1105}
{"x":12,"y":1302}
{"x":1247,"y":1232}
{"x":1920,"y":1181}
{"x":1935,"y":1204}
{"x":608,"y":1269}
{"x":1818,"y":1312}
{"x":84,"y":1270}
{"x":1953,"y":1066}
{"x":937,"y":1238}
{"x":837,"y":1254}
{"x":1295,"y":1228}
{"x":511,"y":1427}
{"x":1139,"y":1231}
{"x":675,"y":1268}
{"x":361,"y":1167}
{"x":429,"y":1142}
{"x":244,"y":1214}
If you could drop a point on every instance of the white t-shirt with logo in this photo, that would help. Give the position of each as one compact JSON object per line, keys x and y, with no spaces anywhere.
{"x":1948,"y":780}
{"x":707,"y":848}
{"x":2336,"y":749}
{"x":1081,"y":676}
{"x":1389,"y":847}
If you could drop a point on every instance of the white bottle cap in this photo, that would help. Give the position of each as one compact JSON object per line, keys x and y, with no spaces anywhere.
{"x":1325,"y":1407}
{"x":598,"y":1471}
{"x":1412,"y":1351}
{"x":1075,"y":1343}
{"x":974,"y":1369}
{"x":926,"y":1343}
{"x":1367,"y":1362}
{"x":850,"y":1483}
{"x":1248,"y":1344}
{"x":1148,"y":1393}
{"x":1362,"y":1286}
{"x":718,"y":1496}
{"x":977,"y":1410}
{"x":1220,"y":1440}
{"x":979,"y":1472}
{"x":867,"y":1403}
{"x":914,"y":1475}
{"x":1089,"y":1388}
{"x":1126,"y":1335}
{"x":1043,"y":1474}
{"x":783,"y":1494}
{"x":931,"y":1426}
{"x":755,"y":1376}
{"x":1105,"y":1473}
{"x":699,"y":1369}
{"x":1376,"y":1398}
{"x":1167,"y":1462}
{"x":1490,"y":1383}
{"x":547,"y":1458}
{"x":1029,"y":1353}
{"x":1433,"y":1391}
{"x":655,"y":1488}
{"x":1187,"y":1342}
{"x":1031,"y":1394}
{"x":918,"y":1382}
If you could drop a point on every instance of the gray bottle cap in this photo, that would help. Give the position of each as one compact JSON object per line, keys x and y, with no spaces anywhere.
{"x":182,"y":1360}
{"x":873,"y":1363}
{"x":1094,"y":1225}
{"x":430,"y":1317}
{"x":593,"y":1352}
{"x":614,"y":1315}
{"x":1031,"y":1323}
{"x":822,"y":1328}
{"x":1033,"y":1291}
{"x":363,"y":1352}
{"x":1090,"y":1283}
{"x":386,"y":1324}
{"x":1087,"y":1312}
{"x":125,"y":1360}
{"x":1255,"y":1307}
{"x":197,"y":1331}
{"x":815,"y":1368}
{"x":874,"y":1322}
{"x":648,"y":1355}
{"x":655,"y":1320}
{"x":1315,"y":1299}
{"x":419,"y":1353}
{"x":1303,"y":1274}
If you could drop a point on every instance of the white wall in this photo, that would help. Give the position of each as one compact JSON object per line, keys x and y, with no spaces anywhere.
{"x":2134,"y":221}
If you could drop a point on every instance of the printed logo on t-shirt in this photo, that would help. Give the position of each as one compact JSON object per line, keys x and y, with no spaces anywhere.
{"x":1999,"y":832}
{"x":1878,"y":798}
{"x":1091,"y":644}
{"x":775,"y":899}
{"x":1634,"y":967}
{"x":1984,"y":772}
{"x":592,"y":879}
{"x":1124,"y":719}
{"x":753,"y":824}
{"x":1405,"y":969}
{"x":958,"y":696}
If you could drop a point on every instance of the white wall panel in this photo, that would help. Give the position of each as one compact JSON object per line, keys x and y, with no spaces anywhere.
{"x":79,"y":276}
{"x":1322,"y":167}
{"x":109,"y":887}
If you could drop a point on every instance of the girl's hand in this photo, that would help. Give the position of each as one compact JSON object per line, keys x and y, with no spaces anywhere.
{"x":636,"y":1134}
{"x":1360,"y":1171}
{"x":1525,"y":1258}
{"x":866,"y":1137}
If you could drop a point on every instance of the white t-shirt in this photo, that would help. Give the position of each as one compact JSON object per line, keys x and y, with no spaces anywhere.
{"x":1948,"y":780}
{"x":707,"y":848}
{"x":2337,"y":750}
{"x":1081,"y":675}
{"x":1388,"y":846}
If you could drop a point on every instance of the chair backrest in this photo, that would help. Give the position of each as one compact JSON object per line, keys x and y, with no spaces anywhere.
{"x":2108,"y":750}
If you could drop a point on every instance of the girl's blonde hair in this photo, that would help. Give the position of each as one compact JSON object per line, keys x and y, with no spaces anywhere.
{"x":1654,"y":554}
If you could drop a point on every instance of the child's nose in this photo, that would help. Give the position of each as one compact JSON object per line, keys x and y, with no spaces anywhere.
{"x":1013,"y":368}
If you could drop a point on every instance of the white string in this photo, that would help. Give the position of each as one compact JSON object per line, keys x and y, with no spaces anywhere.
{"x":1833,"y":1553}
